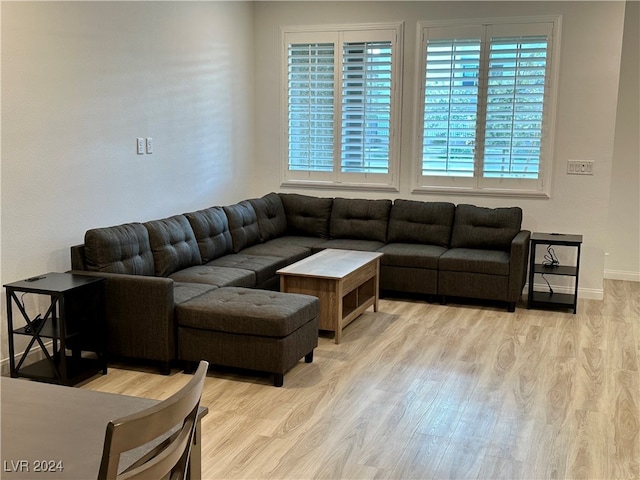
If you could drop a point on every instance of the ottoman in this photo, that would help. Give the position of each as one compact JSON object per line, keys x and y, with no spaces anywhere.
{"x":248,"y":328}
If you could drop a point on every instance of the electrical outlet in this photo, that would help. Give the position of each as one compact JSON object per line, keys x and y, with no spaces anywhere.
{"x":149,"y":145}
{"x":140,"y":145}
{"x":580,"y":167}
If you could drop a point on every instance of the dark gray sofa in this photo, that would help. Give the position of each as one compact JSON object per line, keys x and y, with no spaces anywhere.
{"x":430,"y":248}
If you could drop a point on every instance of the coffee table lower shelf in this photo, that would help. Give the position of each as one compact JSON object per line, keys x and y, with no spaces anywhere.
{"x":345,"y":294}
{"x":355,"y":302}
{"x":337,"y":309}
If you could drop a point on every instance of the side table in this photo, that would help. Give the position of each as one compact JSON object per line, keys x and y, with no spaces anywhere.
{"x":74,"y":321}
{"x":553,"y":299}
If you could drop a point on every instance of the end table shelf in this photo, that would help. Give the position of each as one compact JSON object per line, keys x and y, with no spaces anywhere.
{"x":550,"y":299}
{"x":74,"y":322}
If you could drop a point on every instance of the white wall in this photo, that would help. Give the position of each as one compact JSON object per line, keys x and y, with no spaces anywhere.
{"x":82,"y":80}
{"x":586,"y":110}
{"x":623,"y":244}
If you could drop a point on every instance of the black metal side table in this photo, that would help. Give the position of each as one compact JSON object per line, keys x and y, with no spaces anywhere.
{"x":552,"y":299}
{"x":74,"y":322}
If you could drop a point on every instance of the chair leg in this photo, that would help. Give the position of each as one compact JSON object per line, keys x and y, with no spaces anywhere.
{"x":278,"y":379}
{"x":511,"y":307}
{"x":308,"y":358}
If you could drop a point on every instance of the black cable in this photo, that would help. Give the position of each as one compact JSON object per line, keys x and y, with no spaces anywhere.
{"x":34,"y":324}
{"x":550,"y":260}
{"x":548,"y":285}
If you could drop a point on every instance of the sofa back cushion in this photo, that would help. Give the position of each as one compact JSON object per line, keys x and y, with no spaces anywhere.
{"x":243,"y":225}
{"x":211,"y":229}
{"x":272,"y":221}
{"x":486,"y":228}
{"x":428,"y":223}
{"x":173,"y":244}
{"x":360,"y":219}
{"x":119,"y":249}
{"x":307,"y":216}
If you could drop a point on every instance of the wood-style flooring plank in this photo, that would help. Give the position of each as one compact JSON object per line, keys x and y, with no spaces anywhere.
{"x":420,"y":390}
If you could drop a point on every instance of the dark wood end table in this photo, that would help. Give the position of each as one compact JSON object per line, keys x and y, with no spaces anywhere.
{"x":74,"y":320}
{"x":553,"y":299}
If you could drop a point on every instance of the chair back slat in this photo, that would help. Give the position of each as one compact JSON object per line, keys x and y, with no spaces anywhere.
{"x":173,"y":421}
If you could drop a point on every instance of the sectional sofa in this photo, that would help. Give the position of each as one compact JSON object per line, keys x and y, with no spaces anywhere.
{"x":436,"y":249}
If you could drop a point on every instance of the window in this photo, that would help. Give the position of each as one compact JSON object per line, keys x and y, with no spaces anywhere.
{"x":487,"y":97}
{"x":342,"y":106}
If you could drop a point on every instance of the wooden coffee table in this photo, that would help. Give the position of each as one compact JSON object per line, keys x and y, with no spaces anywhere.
{"x":346,"y":282}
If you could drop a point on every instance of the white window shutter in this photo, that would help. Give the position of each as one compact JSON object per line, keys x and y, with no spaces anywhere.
{"x":366,"y":107}
{"x":487,"y":105}
{"x":342,"y":105}
{"x":451,"y":106}
{"x":310,"y":120}
{"x":515,"y":106}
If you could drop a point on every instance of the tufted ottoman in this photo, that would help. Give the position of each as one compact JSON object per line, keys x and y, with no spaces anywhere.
{"x":248,"y":328}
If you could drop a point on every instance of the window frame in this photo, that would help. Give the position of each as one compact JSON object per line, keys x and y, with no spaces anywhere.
{"x":340,"y":35}
{"x":478,"y":185}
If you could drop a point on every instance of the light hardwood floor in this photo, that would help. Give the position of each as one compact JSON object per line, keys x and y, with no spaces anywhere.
{"x":420,"y":390}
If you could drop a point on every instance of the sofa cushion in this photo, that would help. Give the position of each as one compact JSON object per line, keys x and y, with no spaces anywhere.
{"x":119,"y":249}
{"x":263,"y":266}
{"x":474,"y":260}
{"x":173,"y":244}
{"x":218,"y":276}
{"x":348,"y":244}
{"x":298,"y":241}
{"x":427,"y":223}
{"x":243,"y":225}
{"x":291,"y":253}
{"x":307,"y":216}
{"x":248,"y":312}
{"x":183,"y":291}
{"x":211,"y":229}
{"x":294,"y":241}
{"x":360,"y":219}
{"x":411,"y":255}
{"x":485,"y":228}
{"x":272,"y":221}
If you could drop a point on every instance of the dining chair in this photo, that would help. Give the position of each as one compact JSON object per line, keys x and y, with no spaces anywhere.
{"x":170,"y":423}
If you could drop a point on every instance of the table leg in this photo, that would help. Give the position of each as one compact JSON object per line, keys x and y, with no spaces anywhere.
{"x":338,"y":311}
{"x":12,"y":360}
{"x":376,"y":290}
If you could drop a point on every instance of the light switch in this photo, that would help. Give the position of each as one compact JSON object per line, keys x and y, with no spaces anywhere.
{"x":149,"y":145}
{"x":580,"y":167}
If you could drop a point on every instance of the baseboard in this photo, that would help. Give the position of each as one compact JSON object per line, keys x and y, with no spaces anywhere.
{"x":583,"y":293}
{"x":622,"y":275}
{"x":34,"y":356}
{"x":590,"y":293}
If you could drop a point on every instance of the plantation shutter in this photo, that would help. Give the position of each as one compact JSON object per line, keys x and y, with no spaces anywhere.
{"x":515,"y":103}
{"x":310,"y":106}
{"x":487,"y":103}
{"x":341,"y":105}
{"x":366,"y":107}
{"x":451,"y":100}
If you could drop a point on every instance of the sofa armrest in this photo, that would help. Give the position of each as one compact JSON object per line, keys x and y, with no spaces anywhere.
{"x":518,"y":263}
{"x":140,"y":316}
{"x":78,"y":258}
